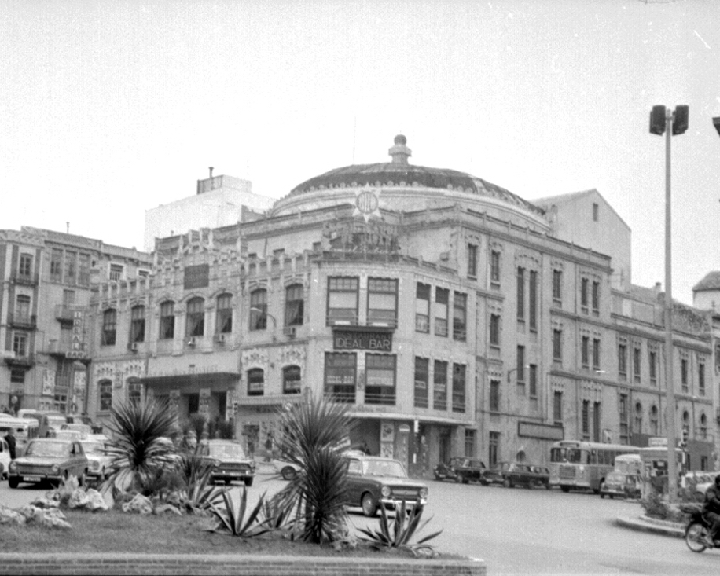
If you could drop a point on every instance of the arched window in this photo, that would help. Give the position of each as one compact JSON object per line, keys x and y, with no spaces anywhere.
{"x":105,"y":395}
{"x":134,"y":390}
{"x":258,"y":310}
{"x":109,"y":327}
{"x":137,"y":324}
{"x":686,"y":424}
{"x":654,"y":420}
{"x":292,"y":384}
{"x":638,"y":418}
{"x":703,"y":426}
{"x":167,"y":320}
{"x":224,"y":314}
{"x":256,"y":382}
{"x":195,"y":317}
{"x":294,"y":305}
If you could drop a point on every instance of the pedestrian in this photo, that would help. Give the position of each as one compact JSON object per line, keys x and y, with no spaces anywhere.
{"x":12,"y":444}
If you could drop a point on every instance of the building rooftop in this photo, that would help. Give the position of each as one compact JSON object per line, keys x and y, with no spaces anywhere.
{"x":709,"y":283}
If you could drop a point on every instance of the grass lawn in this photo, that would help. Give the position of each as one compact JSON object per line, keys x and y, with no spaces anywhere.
{"x":119,"y":532}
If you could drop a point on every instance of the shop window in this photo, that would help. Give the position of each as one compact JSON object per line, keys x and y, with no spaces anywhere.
{"x":342,"y":300}
{"x":167,"y":320}
{"x":195,"y":318}
{"x":294,"y":305}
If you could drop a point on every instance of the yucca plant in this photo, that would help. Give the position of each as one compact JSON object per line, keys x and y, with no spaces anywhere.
{"x":314,"y":433}
{"x":200,"y":496}
{"x":404,"y":527}
{"x":231,"y":517}
{"x":137,"y":451}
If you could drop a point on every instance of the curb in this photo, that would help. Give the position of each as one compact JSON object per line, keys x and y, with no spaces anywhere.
{"x":652,"y":525}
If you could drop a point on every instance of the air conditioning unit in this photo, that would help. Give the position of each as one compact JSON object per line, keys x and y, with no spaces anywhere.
{"x":220,"y":338}
{"x":445,"y":256}
{"x":191,"y":342}
{"x":133,"y":346}
{"x":290,"y":331}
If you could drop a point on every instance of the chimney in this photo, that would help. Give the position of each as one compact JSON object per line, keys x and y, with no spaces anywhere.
{"x":211,"y":169}
{"x":658,"y":287}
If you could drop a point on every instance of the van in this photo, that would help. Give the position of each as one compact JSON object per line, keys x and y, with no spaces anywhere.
{"x":4,"y":459}
{"x":24,"y":430}
{"x":50,"y":424}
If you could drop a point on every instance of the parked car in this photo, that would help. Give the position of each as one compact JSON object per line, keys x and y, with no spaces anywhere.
{"x":521,"y":474}
{"x":4,"y":459}
{"x":620,"y":485}
{"x":374,"y":481}
{"x":51,"y":424}
{"x":229,"y":462}
{"x":99,"y":462}
{"x":84,"y":430}
{"x":470,"y":470}
{"x":49,"y":459}
{"x":446,"y":470}
{"x":494,"y":474}
{"x":542,"y":475}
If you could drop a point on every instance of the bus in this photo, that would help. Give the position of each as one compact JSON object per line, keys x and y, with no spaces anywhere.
{"x":577,"y":465}
{"x":24,"y":430}
{"x":629,"y":464}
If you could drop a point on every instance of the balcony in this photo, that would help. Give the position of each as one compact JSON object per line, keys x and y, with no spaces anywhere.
{"x":28,"y":321}
{"x":64,"y":314}
{"x":26,"y":279}
{"x":15,"y":360}
{"x":66,"y":350}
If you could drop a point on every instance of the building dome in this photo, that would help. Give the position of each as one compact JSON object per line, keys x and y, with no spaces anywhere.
{"x":406,"y":187}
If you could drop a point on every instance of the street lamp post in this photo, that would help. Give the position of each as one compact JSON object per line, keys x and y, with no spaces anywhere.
{"x":666,"y":121}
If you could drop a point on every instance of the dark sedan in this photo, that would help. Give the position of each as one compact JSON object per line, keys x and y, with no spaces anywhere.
{"x":527,"y":475}
{"x":446,"y":470}
{"x":471,"y":470}
{"x":376,"y":481}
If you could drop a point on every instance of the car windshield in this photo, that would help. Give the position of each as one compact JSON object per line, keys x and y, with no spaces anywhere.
{"x":384,"y":468}
{"x":94,"y":448}
{"x":226,"y":451}
{"x":52,"y":449}
{"x":615,"y":477}
{"x":56,"y":420}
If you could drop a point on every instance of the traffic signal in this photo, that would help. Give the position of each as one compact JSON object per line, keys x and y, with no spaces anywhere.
{"x":681,"y":119}
{"x":657,"y":120}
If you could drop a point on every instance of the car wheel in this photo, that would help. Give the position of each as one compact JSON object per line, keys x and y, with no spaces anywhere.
{"x":368,"y":505}
{"x":465,"y":479}
{"x":13,"y":482}
{"x":602,"y":494}
{"x":507,"y":483}
{"x":565,"y":489}
{"x":82,"y":479}
{"x":288,"y":473}
{"x":438,"y":478}
{"x":248,"y":481}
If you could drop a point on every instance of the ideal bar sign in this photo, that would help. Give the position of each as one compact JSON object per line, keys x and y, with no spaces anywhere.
{"x":358,"y":339}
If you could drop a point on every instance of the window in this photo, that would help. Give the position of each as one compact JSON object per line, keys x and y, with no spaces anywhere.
{"x":17,"y":376}
{"x":703,"y":427}
{"x":382,"y":301}
{"x":458,"y":394}
{"x":585,"y":418}
{"x":495,"y":267}
{"x":596,"y":212}
{"x":472,"y":260}
{"x":342,"y":300}
{"x":494,"y":449}
{"x":596,"y":354}
{"x":654,"y":420}
{"x":25,"y":266}
{"x":107,"y":337}
{"x":653,"y":366}
{"x":422,"y":368}
{"x":422,"y":308}
{"x":70,"y":266}
{"x":167,"y":320}
{"x":84,"y":269}
{"x":68,"y":297}
{"x":637,"y":423}
{"x":701,"y":378}
{"x":597,"y":420}
{"x":585,"y":352}
{"x":440,"y":311}
{"x":557,"y":406}
{"x":440,"y":385}
{"x":494,"y":330}
{"x":193,"y":403}
{"x":520,"y":364}
{"x":596,"y":298}
{"x":380,"y":379}
{"x":258,"y":310}
{"x":533,"y":299}
{"x":623,"y":416}
{"x":20,"y":348}
{"x":134,"y":390}
{"x":469,"y":443}
{"x":584,"y":294}
{"x":256,"y":382}
{"x":137,"y":324}
{"x":686,"y":424}
{"x":622,"y":361}
{"x":637,"y":364}
{"x":292,"y":384}
{"x":195,"y":318}
{"x":557,"y":345}
{"x":521,"y":294}
{"x":684,"y":373}
{"x":533,"y":380}
{"x":116,"y":272}
{"x":460,"y":316}
{"x":494,"y":395}
{"x":340,"y":371}
{"x":294,"y":305}
{"x":557,"y":286}
{"x":22,"y":309}
{"x":105,"y":395}
{"x":224,"y":314}
{"x":56,"y":265}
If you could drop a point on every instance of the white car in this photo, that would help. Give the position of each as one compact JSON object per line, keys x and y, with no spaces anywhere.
{"x":99,"y":462}
{"x":4,"y":459}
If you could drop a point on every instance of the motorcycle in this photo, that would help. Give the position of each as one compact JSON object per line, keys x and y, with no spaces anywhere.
{"x":697,"y":532}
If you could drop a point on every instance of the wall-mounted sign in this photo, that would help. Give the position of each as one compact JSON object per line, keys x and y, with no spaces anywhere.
{"x":543,"y":431}
{"x":196,"y":276}
{"x":77,"y":345}
{"x":375,"y":340}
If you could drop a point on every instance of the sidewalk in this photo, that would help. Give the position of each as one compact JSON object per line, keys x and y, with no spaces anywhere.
{"x":652,"y":525}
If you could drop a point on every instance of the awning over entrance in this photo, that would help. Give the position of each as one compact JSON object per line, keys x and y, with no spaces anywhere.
{"x":193,"y":379}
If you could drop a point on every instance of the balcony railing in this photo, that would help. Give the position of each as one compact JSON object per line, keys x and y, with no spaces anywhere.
{"x":27,"y":279}
{"x":23,"y":321}
{"x":380,"y":398}
{"x":64,"y":313}
{"x":65,"y":349}
{"x":19,"y":361}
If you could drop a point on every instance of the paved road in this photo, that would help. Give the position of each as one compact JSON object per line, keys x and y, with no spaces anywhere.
{"x":519,"y":531}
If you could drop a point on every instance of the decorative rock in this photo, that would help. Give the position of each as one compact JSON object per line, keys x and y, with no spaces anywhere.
{"x":46,"y":502}
{"x":167,"y":508}
{"x":78,"y":499}
{"x":10,"y":516}
{"x":139,"y":504}
{"x":95,"y":501}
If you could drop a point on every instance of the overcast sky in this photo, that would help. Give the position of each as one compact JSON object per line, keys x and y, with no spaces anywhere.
{"x":108,"y":109}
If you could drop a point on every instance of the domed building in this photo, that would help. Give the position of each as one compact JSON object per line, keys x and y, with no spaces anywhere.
{"x":444,"y":310}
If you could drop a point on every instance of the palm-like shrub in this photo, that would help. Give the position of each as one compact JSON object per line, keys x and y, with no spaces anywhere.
{"x":314,"y":433}
{"x":137,"y":453}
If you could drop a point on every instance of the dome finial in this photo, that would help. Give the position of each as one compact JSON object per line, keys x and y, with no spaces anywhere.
{"x":400,"y":152}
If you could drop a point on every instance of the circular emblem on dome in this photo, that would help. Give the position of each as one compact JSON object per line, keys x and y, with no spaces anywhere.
{"x":367,"y":203}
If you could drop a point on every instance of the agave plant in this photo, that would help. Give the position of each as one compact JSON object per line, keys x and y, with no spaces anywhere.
{"x":231,"y":516}
{"x":137,"y":449}
{"x":314,"y":433}
{"x":404,"y":527}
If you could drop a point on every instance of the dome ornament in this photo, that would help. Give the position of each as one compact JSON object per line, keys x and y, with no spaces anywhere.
{"x":367,"y":202}
{"x":400,"y":152}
